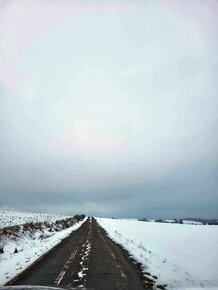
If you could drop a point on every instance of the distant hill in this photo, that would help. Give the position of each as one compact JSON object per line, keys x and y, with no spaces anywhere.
{"x":204,"y":221}
{"x":191,"y":221}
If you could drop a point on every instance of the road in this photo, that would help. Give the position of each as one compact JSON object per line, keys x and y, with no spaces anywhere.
{"x":89,"y":259}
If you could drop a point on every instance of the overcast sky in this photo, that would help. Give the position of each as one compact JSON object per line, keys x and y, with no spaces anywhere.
{"x":109,"y":107}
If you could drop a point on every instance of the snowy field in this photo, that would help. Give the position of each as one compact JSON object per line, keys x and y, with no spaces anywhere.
{"x":11,"y":218}
{"x":180,"y":255}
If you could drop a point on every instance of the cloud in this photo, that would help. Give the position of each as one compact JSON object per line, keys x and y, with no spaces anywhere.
{"x":111,"y":113}
{"x":86,"y":137}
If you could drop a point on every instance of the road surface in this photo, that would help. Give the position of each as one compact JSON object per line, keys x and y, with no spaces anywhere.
{"x":87,"y":258}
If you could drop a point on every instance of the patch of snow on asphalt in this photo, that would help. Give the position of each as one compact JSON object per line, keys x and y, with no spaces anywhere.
{"x":181,"y":256}
{"x":29,"y":250}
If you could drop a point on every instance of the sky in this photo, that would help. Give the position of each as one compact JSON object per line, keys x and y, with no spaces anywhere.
{"x":109,"y":107}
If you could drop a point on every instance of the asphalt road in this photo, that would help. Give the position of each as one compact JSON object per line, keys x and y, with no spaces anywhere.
{"x":89,"y":259}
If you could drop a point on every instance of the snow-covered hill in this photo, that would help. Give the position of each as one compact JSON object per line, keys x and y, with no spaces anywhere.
{"x":12,"y":218}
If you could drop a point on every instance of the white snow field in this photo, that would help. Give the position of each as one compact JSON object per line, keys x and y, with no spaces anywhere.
{"x":12,"y":218}
{"x":30,"y":246}
{"x":181,"y":256}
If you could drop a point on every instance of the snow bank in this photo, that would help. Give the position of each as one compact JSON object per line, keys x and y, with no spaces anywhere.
{"x":181,"y":256}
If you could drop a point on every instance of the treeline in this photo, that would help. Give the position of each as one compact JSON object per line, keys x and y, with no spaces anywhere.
{"x":204,"y":221}
{"x":180,"y":221}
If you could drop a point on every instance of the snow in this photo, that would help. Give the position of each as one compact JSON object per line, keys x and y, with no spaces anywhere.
{"x":180,"y":255}
{"x":12,"y":218}
{"x":170,"y":221}
{"x":29,"y":250}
